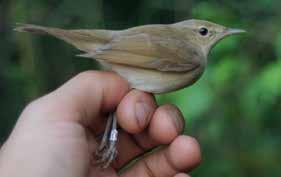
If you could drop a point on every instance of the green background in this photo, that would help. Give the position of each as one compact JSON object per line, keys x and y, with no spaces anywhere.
{"x":234,"y":110}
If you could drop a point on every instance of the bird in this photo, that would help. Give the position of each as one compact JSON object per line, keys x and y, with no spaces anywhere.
{"x":155,"y":58}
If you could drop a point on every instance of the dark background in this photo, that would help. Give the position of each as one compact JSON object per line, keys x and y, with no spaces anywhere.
{"x":234,"y":110}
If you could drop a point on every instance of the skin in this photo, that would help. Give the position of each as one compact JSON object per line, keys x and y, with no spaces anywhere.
{"x":56,"y":134}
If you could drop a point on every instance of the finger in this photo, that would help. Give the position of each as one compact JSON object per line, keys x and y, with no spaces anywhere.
{"x":166,"y":124}
{"x":97,"y":171}
{"x":181,"y":175}
{"x":183,"y":154}
{"x":83,"y":98}
{"x":135,"y":111}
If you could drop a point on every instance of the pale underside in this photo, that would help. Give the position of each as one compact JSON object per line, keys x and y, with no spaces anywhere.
{"x":154,"y":81}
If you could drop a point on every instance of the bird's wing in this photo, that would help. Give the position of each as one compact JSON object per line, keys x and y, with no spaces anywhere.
{"x":151,"y":52}
{"x":149,"y":46}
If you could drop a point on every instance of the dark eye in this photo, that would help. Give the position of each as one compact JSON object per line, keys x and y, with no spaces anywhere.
{"x":203,"y":31}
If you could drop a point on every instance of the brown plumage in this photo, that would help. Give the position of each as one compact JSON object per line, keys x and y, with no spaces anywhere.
{"x":154,"y":58}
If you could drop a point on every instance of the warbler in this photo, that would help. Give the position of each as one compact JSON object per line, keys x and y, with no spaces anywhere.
{"x":155,"y":58}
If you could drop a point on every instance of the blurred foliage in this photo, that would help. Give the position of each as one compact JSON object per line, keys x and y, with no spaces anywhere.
{"x":234,"y":110}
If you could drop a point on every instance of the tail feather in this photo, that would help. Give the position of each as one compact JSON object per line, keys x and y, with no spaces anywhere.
{"x":85,"y":40}
{"x":30,"y":28}
{"x":86,"y":55}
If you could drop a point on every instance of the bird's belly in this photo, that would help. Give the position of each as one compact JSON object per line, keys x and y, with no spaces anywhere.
{"x":155,"y":81}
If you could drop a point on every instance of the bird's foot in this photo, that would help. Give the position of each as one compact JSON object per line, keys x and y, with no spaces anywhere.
{"x":107,"y":151}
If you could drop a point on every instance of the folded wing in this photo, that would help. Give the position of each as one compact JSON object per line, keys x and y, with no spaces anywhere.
{"x":150,"y":47}
{"x":151,"y":52}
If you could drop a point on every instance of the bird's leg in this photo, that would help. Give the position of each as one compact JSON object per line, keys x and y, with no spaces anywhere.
{"x":104,"y":140}
{"x":106,"y":152}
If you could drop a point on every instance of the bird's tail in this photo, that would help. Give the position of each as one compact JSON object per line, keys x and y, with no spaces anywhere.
{"x":85,"y":40}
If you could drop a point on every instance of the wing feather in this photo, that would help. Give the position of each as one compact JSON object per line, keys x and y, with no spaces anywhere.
{"x":151,"y":52}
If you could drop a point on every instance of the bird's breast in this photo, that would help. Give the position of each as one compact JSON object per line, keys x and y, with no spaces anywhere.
{"x":155,"y":81}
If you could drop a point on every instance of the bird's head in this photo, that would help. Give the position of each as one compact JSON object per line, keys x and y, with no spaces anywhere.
{"x":205,"y":34}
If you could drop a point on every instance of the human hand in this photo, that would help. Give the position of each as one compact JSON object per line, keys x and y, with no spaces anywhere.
{"x":56,"y":135}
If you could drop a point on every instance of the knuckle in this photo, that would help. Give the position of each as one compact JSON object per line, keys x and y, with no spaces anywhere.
{"x":191,"y":153}
{"x":170,"y":107}
{"x":175,"y":114}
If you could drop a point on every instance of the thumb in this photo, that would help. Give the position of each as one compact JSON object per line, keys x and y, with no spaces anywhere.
{"x":82,"y":98}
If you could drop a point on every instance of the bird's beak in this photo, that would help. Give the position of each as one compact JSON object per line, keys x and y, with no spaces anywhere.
{"x":222,"y":35}
{"x":231,"y":31}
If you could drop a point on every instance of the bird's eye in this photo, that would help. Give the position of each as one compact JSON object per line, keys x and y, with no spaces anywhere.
{"x":203,"y":31}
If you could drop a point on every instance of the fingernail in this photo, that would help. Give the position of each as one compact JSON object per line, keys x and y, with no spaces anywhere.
{"x":142,"y":111}
{"x":177,"y":119}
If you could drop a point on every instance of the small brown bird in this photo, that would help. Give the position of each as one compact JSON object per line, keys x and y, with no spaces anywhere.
{"x":153,"y":58}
